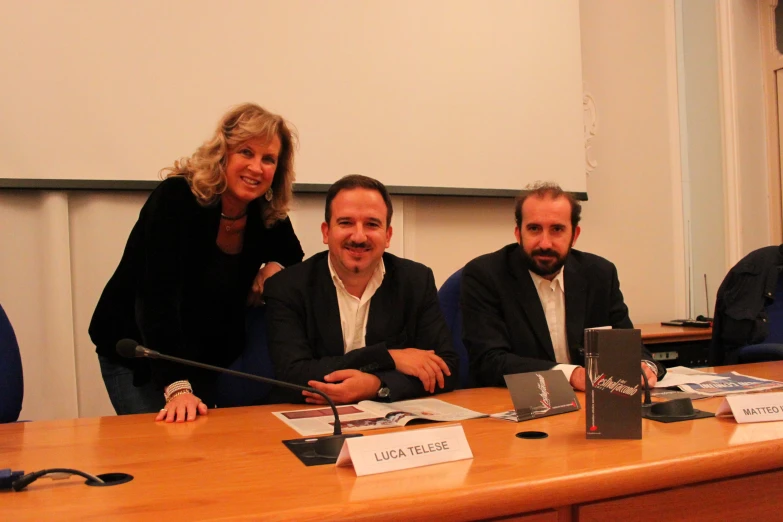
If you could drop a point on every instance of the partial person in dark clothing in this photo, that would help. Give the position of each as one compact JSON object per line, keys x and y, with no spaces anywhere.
{"x":11,"y":377}
{"x":206,"y":240}
{"x":749,"y":305}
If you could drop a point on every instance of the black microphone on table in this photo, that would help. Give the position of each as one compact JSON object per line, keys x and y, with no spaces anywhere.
{"x":670,"y":411}
{"x":328,"y":446}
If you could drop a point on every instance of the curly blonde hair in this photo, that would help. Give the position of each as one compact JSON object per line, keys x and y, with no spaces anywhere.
{"x":205,"y":170}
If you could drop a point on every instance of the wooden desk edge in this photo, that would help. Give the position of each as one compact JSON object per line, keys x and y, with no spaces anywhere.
{"x":515,"y":497}
{"x":656,"y":333}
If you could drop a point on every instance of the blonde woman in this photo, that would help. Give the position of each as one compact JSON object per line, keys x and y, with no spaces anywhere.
{"x":206,"y":240}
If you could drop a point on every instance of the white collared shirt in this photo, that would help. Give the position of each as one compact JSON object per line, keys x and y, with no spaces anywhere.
{"x":552,"y":297}
{"x":355,"y":311}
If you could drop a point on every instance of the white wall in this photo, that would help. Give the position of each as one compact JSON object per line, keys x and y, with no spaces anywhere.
{"x":704,"y":194}
{"x":100,"y":224}
{"x":417,"y":93}
{"x":35,"y":289}
{"x":745,"y":179}
{"x":633,"y":217}
{"x":750,"y":125}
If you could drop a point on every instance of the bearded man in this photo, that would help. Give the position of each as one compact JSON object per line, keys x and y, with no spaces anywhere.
{"x":525,"y":307}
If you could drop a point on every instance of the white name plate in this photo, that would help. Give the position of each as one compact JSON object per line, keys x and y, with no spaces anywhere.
{"x":756,"y":407}
{"x":404,"y":450}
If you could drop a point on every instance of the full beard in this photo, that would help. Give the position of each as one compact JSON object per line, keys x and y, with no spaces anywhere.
{"x":543,"y":270}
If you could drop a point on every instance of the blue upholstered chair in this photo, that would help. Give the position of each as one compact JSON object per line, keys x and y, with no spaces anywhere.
{"x":448,"y":295}
{"x":236,"y":391}
{"x":11,"y":379}
{"x":760,"y":353}
{"x":772,"y":347}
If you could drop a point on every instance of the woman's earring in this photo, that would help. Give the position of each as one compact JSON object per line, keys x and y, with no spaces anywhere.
{"x":269,"y":194}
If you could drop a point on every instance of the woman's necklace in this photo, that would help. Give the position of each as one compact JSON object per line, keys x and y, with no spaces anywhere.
{"x":232,"y":219}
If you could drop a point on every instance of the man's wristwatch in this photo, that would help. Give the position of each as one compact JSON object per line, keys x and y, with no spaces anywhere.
{"x":383,"y":392}
{"x":651,"y":365}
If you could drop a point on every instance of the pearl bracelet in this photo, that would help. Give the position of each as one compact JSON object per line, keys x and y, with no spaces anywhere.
{"x":175,"y":387}
{"x":177,"y":393}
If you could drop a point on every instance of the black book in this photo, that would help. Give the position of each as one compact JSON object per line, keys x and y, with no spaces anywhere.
{"x":613,"y":389}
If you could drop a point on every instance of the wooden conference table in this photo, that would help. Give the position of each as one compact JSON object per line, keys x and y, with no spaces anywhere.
{"x":677,"y":345}
{"x":656,"y":333}
{"x":232,"y":465}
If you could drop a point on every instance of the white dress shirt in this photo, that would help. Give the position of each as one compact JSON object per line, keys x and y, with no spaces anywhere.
{"x":355,"y":311}
{"x":552,"y":296}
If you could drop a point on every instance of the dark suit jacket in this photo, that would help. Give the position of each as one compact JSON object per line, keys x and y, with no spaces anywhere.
{"x":504,"y":327}
{"x":305,"y":333}
{"x":741,"y":316}
{"x":163,"y":295}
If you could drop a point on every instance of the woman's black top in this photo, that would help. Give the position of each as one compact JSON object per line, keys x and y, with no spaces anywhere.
{"x":176,"y":292}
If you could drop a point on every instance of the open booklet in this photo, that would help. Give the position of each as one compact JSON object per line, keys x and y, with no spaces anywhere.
{"x":697,"y":384}
{"x":371,"y":415}
{"x":538,"y":394}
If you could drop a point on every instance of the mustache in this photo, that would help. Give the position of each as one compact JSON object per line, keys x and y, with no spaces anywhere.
{"x":544,"y":252}
{"x":353,"y":244}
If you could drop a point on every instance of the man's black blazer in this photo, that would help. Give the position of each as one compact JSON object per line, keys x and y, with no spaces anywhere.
{"x":504,"y":327}
{"x":305,"y":332}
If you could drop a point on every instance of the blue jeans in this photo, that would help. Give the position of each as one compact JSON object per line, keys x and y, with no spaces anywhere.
{"x":126,"y":398}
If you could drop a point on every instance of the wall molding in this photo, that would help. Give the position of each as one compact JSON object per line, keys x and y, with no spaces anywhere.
{"x":590,"y":110}
{"x":680,"y":242}
{"x":304,"y":188}
{"x":301,"y":188}
{"x":731,"y":167}
{"x":772,"y":61}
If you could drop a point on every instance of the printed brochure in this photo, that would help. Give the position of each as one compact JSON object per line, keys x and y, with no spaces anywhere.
{"x":371,"y":415}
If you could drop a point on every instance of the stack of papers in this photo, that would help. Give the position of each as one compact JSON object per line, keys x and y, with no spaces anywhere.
{"x":698,"y":384}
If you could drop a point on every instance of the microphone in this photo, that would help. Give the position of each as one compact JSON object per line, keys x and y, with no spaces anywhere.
{"x":328,"y":446}
{"x":647,"y":399}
